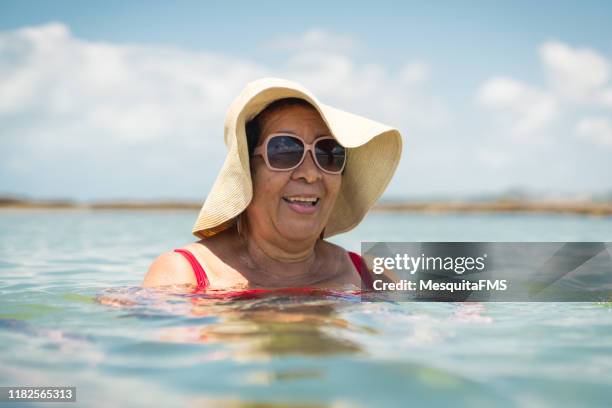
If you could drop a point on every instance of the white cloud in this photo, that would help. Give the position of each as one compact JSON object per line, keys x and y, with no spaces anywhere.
{"x":577,"y":82}
{"x":127,"y":93}
{"x":529,"y":109}
{"x":596,"y":129}
{"x":574,"y":73}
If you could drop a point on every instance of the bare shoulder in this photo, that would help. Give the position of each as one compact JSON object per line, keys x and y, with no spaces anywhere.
{"x":337,"y":253}
{"x":335,"y":250}
{"x":170,"y":268}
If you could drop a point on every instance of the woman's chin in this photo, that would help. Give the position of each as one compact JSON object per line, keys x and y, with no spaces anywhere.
{"x":299,"y":232}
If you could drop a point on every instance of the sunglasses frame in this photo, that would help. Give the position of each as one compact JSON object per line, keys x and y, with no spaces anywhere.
{"x":263,"y":152}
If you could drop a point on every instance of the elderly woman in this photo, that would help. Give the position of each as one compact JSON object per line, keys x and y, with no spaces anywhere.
{"x":297,"y":171}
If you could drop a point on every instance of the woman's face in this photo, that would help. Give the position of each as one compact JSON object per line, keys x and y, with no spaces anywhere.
{"x":275,"y":209}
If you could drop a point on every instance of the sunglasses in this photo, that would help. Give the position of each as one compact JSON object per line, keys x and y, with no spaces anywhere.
{"x":284,"y":152}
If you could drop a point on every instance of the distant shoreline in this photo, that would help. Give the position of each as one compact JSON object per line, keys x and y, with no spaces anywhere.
{"x":582,"y":208}
{"x":500,"y":206}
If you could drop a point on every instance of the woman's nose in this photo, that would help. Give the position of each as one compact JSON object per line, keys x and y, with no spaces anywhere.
{"x":308,"y":169}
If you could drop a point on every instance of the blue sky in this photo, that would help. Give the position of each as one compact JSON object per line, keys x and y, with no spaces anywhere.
{"x":104,"y":100}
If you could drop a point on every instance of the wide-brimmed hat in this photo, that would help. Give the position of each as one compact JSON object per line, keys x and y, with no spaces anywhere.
{"x":373,"y":153}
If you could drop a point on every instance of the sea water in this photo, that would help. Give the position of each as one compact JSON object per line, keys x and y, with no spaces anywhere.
{"x":72,"y":314}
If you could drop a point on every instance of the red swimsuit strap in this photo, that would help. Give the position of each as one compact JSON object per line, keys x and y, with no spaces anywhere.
{"x":361,"y":267}
{"x":197,"y":268}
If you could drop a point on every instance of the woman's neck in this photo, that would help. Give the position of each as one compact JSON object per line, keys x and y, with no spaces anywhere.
{"x":281,"y":262}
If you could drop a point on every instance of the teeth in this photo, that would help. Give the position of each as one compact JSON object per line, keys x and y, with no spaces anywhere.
{"x":302,"y":199}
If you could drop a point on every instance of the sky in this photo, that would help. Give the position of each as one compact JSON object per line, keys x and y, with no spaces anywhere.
{"x":126,"y":99}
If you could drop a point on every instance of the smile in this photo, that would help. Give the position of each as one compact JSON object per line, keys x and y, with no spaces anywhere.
{"x":312,"y":201}
{"x":301,"y":204}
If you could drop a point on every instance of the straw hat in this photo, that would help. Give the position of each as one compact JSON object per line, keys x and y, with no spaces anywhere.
{"x":373,"y":153}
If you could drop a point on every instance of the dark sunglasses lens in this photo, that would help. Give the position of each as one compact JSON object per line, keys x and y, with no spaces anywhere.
{"x":284,"y":152}
{"x":330,"y":155}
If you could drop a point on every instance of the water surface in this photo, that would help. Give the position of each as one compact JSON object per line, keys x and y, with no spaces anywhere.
{"x":148,"y":348}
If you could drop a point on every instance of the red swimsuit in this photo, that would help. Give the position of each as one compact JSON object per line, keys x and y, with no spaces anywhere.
{"x":203,"y":281}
